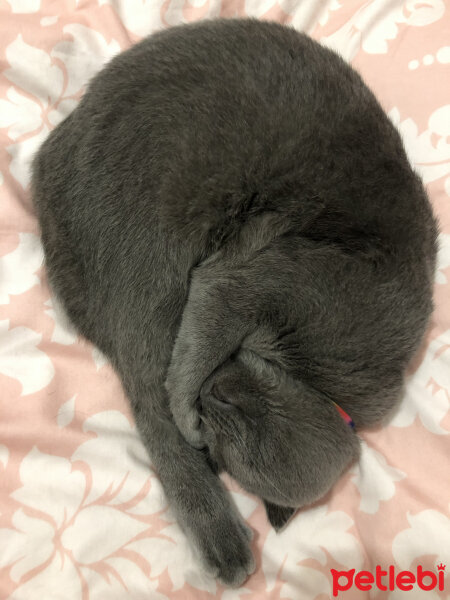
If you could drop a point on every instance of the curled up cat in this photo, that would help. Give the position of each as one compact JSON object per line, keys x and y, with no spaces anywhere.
{"x":230,"y":216}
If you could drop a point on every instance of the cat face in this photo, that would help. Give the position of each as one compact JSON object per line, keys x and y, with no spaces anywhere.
{"x":273,"y":435}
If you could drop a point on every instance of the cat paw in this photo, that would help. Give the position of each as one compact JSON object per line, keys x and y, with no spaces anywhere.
{"x":192,"y":433}
{"x":187,"y":419}
{"x":225,"y":550}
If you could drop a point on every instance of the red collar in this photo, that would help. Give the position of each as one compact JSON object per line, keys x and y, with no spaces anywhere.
{"x":347,"y":418}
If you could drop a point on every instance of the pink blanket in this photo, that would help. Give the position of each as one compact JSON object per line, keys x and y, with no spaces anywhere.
{"x":82,"y":515}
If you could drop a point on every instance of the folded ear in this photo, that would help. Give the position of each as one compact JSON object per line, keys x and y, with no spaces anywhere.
{"x":278,"y":515}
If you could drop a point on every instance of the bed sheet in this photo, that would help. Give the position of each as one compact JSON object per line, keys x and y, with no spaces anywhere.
{"x":82,"y":514}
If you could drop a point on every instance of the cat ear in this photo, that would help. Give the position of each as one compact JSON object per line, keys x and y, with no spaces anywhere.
{"x":278,"y":515}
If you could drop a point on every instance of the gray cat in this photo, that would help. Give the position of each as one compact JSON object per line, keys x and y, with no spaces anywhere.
{"x":231,"y":218}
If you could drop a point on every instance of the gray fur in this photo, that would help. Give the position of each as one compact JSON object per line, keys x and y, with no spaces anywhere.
{"x":231,"y":218}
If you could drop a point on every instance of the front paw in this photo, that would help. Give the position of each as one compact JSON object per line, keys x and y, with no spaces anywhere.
{"x":224,"y":547}
{"x":187,"y":419}
{"x":188,"y":422}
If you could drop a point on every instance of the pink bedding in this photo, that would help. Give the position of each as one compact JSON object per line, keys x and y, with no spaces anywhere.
{"x":82,"y":515}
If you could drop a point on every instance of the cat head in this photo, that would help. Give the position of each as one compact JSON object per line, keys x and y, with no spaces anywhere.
{"x":273,"y":434}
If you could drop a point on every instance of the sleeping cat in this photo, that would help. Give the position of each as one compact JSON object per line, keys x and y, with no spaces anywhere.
{"x":231,"y":218}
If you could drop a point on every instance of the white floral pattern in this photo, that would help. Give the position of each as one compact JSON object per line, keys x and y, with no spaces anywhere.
{"x":21,"y":359}
{"x":428,"y":533}
{"x":307,"y":537}
{"x":377,"y":23}
{"x":428,"y":151}
{"x":427,"y":393}
{"x":443,"y":262}
{"x":375,"y":479}
{"x":141,"y":17}
{"x":24,"y":6}
{"x":18,"y":268}
{"x":67,"y":502}
{"x":64,"y":332}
